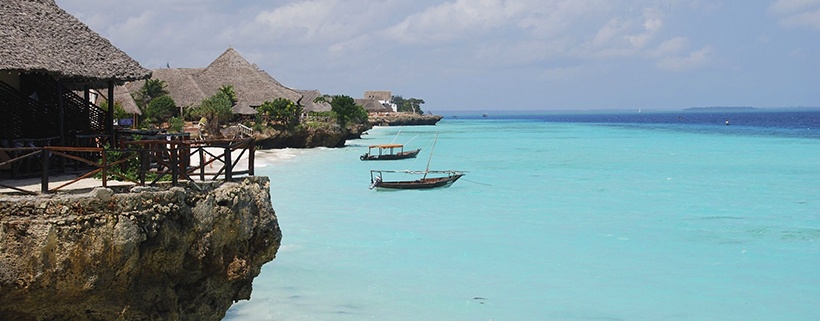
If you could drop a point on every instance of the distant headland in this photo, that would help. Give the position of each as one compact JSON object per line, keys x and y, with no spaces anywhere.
{"x":720,"y":108}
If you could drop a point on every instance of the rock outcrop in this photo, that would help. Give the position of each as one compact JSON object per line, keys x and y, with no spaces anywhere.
{"x":150,"y":254}
{"x":403,"y":119}
{"x":309,"y":137}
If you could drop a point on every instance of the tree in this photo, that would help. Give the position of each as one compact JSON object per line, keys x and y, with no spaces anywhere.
{"x":228,"y":90}
{"x":346,"y":110}
{"x":412,"y":105}
{"x":214,"y":109}
{"x":152,"y":88}
{"x":160,"y":109}
{"x":119,"y":112}
{"x":283,"y":110}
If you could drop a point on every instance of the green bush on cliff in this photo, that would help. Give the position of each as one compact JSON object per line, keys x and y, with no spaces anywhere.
{"x":346,"y":110}
{"x":282,"y":110}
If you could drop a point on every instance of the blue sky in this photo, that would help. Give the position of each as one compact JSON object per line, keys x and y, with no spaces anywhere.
{"x":494,"y":54}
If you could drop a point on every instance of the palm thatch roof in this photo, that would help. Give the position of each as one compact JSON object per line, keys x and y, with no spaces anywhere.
{"x":122,"y":96}
{"x":372,"y":105}
{"x":253,"y":86}
{"x":38,"y":36}
{"x":307,"y":101}
{"x":383,"y":95}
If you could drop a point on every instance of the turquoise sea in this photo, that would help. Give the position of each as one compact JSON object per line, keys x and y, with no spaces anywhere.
{"x":597,"y":216}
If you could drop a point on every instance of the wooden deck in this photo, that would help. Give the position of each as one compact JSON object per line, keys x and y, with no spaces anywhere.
{"x":140,"y":162}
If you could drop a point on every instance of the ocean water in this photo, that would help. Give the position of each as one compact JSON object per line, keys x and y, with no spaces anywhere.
{"x":604,"y":216}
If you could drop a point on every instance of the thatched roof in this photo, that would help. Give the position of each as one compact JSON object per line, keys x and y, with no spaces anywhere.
{"x":243,"y":108}
{"x":181,"y":85}
{"x":384,"y":95}
{"x":122,"y":96}
{"x":372,"y":105}
{"x":307,"y":101}
{"x":38,"y":36}
{"x":253,"y":86}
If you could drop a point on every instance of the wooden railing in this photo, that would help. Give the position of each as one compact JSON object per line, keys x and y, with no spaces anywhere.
{"x":143,"y":162}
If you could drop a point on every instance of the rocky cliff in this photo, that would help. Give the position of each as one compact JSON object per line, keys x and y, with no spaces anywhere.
{"x":309,"y":137}
{"x":403,"y":119}
{"x":151,"y":254}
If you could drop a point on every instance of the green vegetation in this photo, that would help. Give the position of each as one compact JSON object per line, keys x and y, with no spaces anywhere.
{"x":160,"y":109}
{"x":152,"y":88}
{"x":282,"y":110}
{"x":346,"y":110}
{"x":412,"y":105}
{"x":119,"y":112}
{"x":176,"y":125}
{"x":228,"y":90}
{"x":215,"y":109}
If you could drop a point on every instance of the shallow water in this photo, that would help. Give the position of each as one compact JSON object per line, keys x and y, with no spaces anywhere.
{"x":555,"y":220}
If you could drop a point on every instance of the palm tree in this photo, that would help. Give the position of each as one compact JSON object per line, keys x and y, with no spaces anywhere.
{"x":230,"y":92}
{"x":152,"y":88}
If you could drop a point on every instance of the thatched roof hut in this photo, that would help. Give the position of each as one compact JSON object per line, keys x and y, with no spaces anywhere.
{"x":372,"y":105}
{"x":307,"y":101}
{"x":45,"y":54}
{"x":253,"y":86}
{"x":122,"y":96}
{"x":383,"y":95}
{"x":39,"y":37}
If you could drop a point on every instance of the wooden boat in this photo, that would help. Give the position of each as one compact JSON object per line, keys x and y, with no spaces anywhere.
{"x":440,"y":179}
{"x":448,"y":178}
{"x":388,"y":152}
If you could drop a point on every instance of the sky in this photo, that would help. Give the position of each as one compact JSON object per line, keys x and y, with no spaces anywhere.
{"x":493,"y":54}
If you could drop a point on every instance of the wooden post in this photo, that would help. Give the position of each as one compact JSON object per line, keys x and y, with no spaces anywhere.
{"x":44,"y":168}
{"x":252,"y":150}
{"x":174,"y":164}
{"x":61,"y":109}
{"x":109,"y":115}
{"x":201,"y":163}
{"x":228,"y":164}
{"x":104,"y":168}
{"x":143,"y":164}
{"x":86,"y":107}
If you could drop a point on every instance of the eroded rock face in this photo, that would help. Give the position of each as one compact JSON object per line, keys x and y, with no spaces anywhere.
{"x":175,"y":254}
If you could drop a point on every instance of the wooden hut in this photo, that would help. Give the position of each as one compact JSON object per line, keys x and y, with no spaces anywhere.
{"x":252,"y":85}
{"x":47,"y":54}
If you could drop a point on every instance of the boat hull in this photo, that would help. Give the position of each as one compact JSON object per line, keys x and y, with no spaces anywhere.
{"x":401,"y":155}
{"x":425,"y":183}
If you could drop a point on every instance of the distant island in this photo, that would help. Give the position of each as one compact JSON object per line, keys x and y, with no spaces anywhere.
{"x":720,"y":108}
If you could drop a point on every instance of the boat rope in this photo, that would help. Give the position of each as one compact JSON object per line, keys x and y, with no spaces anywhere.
{"x":474,"y":182}
{"x":397,"y":136}
{"x":426,"y":170}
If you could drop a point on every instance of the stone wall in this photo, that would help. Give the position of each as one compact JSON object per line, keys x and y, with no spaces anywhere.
{"x":150,"y":254}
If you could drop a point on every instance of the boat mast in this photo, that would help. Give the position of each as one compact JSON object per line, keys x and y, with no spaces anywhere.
{"x":427,"y":170}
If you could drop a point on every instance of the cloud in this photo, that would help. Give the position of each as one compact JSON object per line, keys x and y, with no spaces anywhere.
{"x":449,"y":21}
{"x":670,"y":47}
{"x":694,"y":60}
{"x":806,"y":19}
{"x":306,"y":21}
{"x":797,"y":13}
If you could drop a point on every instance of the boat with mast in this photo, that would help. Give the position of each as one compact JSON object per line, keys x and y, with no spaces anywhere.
{"x":389,"y":151}
{"x":443,"y":178}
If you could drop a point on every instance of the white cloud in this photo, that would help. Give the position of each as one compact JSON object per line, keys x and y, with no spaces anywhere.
{"x":798,"y":13}
{"x":670,"y":47}
{"x":806,"y":19}
{"x":308,"y":20}
{"x":449,"y":21}
{"x":694,"y":60}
